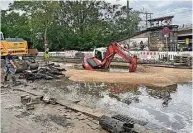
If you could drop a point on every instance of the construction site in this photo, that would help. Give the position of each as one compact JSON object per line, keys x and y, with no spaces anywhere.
{"x":140,"y":83}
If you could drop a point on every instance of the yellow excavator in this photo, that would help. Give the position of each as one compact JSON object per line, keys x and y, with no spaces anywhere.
{"x":24,"y":57}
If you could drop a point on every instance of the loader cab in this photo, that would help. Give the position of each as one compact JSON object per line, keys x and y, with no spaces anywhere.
{"x":99,"y":53}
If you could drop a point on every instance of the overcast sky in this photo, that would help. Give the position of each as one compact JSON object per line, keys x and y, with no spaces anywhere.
{"x":182,"y":10}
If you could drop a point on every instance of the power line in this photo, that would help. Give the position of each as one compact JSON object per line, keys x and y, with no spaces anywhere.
{"x":147,"y":14}
{"x":139,"y":5}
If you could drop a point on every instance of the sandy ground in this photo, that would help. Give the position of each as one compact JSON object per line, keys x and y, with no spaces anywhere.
{"x":143,"y":75}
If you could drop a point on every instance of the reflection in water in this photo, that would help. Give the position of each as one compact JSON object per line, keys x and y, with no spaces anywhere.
{"x":96,"y":91}
{"x":141,"y":102}
{"x":162,"y":93}
{"x":157,"y":92}
{"x":122,"y":88}
{"x":116,"y":89}
{"x":93,"y":89}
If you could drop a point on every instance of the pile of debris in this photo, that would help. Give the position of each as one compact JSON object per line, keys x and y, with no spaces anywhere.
{"x":47,"y":72}
{"x":30,"y":101}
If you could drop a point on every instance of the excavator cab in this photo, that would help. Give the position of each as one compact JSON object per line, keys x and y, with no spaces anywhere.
{"x":99,"y":53}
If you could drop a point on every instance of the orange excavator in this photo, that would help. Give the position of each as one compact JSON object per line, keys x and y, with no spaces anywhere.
{"x":92,"y":63}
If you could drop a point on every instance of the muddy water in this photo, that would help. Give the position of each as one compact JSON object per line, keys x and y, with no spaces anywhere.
{"x":170,"y":107}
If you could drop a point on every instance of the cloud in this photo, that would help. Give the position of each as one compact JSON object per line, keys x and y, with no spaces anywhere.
{"x":4,"y":4}
{"x":182,"y":10}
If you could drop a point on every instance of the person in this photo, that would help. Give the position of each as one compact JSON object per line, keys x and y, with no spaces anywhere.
{"x":10,"y":67}
{"x":46,"y":56}
{"x":141,"y":45}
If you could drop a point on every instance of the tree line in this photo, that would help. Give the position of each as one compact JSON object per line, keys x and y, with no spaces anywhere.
{"x":78,"y":25}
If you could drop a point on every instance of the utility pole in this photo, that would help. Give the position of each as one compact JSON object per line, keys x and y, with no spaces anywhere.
{"x":146,"y":14}
{"x":128,"y":10}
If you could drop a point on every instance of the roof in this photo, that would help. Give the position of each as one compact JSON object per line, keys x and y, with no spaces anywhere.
{"x":149,"y":30}
{"x":160,"y":18}
{"x":161,"y":27}
{"x":14,"y":39}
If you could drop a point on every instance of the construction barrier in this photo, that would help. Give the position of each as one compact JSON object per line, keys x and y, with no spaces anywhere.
{"x":142,"y":55}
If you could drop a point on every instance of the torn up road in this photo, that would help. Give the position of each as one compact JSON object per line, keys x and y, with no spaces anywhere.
{"x":44,"y":118}
{"x":65,"y":116}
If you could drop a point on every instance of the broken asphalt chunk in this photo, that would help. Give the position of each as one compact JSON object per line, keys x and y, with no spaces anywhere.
{"x":25,"y":99}
{"x":29,"y":106}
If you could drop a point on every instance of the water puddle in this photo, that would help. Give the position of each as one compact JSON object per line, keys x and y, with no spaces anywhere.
{"x":114,"y":69}
{"x":168,"y":106}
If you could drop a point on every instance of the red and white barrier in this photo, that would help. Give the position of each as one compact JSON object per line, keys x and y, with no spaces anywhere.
{"x":142,"y":55}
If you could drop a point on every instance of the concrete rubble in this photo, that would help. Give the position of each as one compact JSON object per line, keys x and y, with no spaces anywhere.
{"x":47,"y":72}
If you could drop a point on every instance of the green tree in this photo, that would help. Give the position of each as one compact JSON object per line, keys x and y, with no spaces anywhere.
{"x":79,"y":25}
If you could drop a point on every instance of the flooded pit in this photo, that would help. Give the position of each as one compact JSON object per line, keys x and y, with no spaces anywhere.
{"x":170,"y":107}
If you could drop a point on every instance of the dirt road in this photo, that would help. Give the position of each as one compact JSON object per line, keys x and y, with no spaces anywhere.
{"x":143,"y":75}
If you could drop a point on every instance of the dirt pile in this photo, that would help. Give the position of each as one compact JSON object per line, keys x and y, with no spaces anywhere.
{"x":143,"y":75}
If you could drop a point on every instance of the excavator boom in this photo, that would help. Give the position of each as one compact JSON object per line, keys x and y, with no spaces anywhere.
{"x":91,"y":63}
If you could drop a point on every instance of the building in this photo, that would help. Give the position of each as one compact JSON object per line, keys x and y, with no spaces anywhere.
{"x":154,"y":34}
{"x":157,"y":39}
{"x":185,"y":37}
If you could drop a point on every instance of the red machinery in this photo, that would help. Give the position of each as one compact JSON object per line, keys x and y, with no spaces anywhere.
{"x":91,"y":63}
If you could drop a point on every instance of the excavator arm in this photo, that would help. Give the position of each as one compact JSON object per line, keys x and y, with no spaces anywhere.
{"x":91,"y":63}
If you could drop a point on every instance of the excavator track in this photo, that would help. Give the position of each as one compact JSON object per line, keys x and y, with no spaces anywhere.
{"x":116,"y":126}
{"x":127,"y":119}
